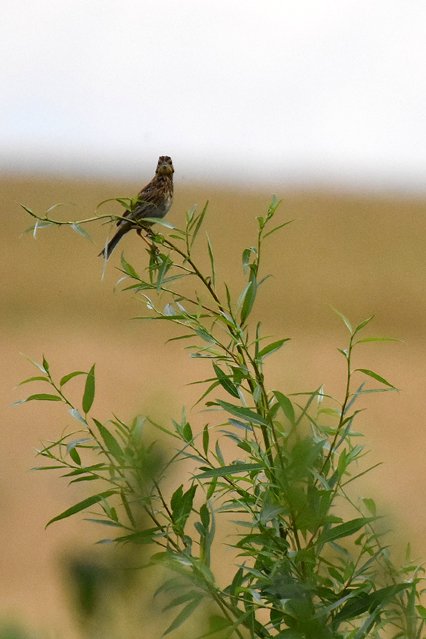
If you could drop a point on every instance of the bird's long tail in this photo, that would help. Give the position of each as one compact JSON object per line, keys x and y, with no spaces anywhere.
{"x":108,"y":249}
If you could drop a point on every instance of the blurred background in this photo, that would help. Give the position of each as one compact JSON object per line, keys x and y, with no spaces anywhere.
{"x":321,"y":104}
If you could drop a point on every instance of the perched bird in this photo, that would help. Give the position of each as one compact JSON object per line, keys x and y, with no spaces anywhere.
{"x":154,"y":200}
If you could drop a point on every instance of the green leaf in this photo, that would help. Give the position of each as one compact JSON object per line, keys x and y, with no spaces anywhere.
{"x":362,"y":602}
{"x":285,"y":405}
{"x":272,"y":208}
{"x":81,"y":231}
{"x":94,"y":468}
{"x":43,"y":397}
{"x":206,"y":438}
{"x":375,"y":376}
{"x":218,"y":452}
{"x":38,"y":225}
{"x":370,"y":505}
{"x":421,"y":611}
{"x":344,"y":319}
{"x":187,"y":432}
{"x":181,"y":504}
{"x":205,"y":516}
{"x":246,"y":258}
{"x":207,"y":391}
{"x":178,"y":601}
{"x":84,"y":478}
{"x":103,"y":522}
{"x":212,"y":488}
{"x":36,"y":378}
{"x":89,"y":390}
{"x":362,"y":324}
{"x":66,"y":378}
{"x":345,"y":530}
{"x":271,"y":348}
{"x":73,"y":453}
{"x":184,"y":614}
{"x":163,"y":267}
{"x":247,"y":299}
{"x":128,"y":268}
{"x":211,"y":257}
{"x":140,"y":537}
{"x":112,"y":445}
{"x":216,"y":624}
{"x":277,"y":228}
{"x":225,"y":471}
{"x":242,"y":412}
{"x":365,"y":340}
{"x":247,"y":253}
{"x":159,"y":221}
{"x":204,"y":334}
{"x":52,"y":207}
{"x":115,"y":199}
{"x":198,"y":222}
{"x":81,"y":505}
{"x":126,"y":202}
{"x":225,"y":381}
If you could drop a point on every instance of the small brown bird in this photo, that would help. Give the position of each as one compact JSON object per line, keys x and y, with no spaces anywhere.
{"x":154,"y":200}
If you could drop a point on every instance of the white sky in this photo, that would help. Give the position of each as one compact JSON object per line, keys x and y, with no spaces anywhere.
{"x":314,"y":91}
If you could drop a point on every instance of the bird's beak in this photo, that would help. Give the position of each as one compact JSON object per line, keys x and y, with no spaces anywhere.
{"x":165,"y":169}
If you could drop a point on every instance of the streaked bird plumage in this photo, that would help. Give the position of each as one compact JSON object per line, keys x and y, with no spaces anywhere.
{"x":154,"y":201}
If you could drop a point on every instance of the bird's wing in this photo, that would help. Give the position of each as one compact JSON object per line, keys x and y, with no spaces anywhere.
{"x":146,"y":199}
{"x":149,"y":195}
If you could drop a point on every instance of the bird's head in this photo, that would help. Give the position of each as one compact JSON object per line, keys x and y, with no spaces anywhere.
{"x":165,"y":165}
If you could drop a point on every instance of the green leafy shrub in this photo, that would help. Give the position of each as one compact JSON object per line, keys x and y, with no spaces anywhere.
{"x":303,"y":568}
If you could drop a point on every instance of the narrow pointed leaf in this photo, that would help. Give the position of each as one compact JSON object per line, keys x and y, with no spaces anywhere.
{"x":206,"y":439}
{"x":128,"y":268}
{"x":366,"y":340}
{"x":375,"y":376}
{"x":89,"y":390}
{"x":77,"y":228}
{"x":178,"y":601}
{"x":198,"y":223}
{"x":225,"y":381}
{"x":363,"y":324}
{"x":248,"y":300}
{"x":66,"y":378}
{"x":36,"y":378}
{"x":369,"y":601}
{"x":285,"y":405}
{"x":344,"y":320}
{"x":277,"y":228}
{"x":346,"y":529}
{"x":81,"y":505}
{"x":73,"y":453}
{"x":271,"y":348}
{"x":211,"y":257}
{"x":232,"y":469}
{"x":183,"y":615}
{"x":43,"y":397}
{"x":242,"y":412}
{"x":112,"y":445}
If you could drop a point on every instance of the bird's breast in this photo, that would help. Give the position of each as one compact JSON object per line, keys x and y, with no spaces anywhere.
{"x":167,"y":203}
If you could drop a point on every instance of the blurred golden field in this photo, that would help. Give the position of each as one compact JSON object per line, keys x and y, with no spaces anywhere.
{"x":361,"y":254}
